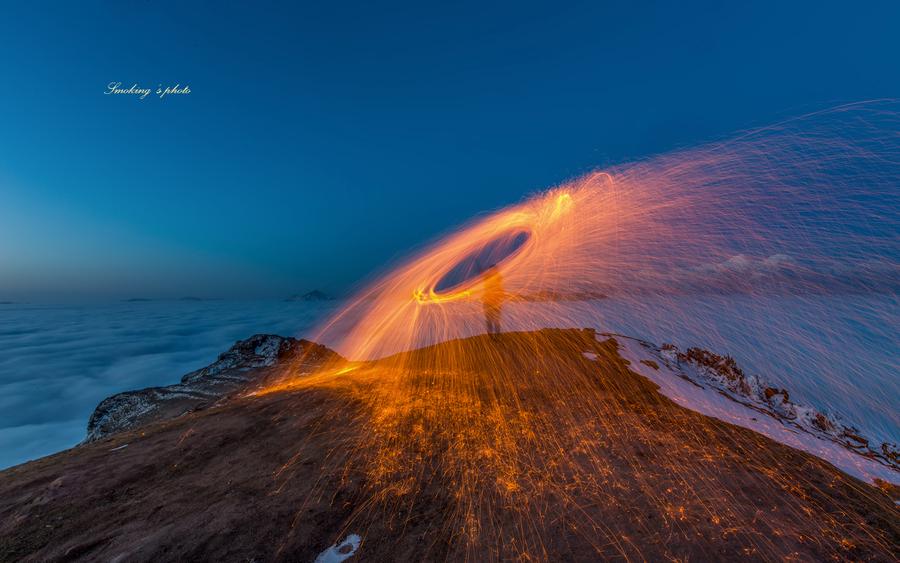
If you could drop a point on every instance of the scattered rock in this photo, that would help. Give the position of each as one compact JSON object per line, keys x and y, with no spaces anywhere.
{"x":724,"y":373}
{"x":822,"y":422}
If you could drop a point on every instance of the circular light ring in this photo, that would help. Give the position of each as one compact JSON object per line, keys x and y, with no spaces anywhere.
{"x":467,"y":271}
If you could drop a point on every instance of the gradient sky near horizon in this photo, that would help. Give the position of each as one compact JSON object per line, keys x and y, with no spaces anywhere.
{"x":321,"y":142}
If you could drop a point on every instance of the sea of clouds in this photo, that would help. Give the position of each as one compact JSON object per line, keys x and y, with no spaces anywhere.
{"x":57,"y":362}
{"x":837,"y":354}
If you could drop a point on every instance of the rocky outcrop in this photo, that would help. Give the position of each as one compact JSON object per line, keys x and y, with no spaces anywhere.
{"x":247,"y":364}
{"x":723,"y":373}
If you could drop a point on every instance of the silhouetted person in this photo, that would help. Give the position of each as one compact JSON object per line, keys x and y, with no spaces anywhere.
{"x":493,"y":299}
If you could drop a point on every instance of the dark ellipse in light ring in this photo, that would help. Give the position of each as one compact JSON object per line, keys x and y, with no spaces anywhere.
{"x":495,"y":251}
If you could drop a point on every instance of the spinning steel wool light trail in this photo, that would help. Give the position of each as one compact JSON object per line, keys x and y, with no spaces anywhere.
{"x":805,"y":208}
{"x":526,"y":434}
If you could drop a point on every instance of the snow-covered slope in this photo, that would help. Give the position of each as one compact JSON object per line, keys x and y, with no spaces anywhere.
{"x":715,"y":386}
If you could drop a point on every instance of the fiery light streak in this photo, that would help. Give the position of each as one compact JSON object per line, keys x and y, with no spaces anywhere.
{"x":526,"y":424}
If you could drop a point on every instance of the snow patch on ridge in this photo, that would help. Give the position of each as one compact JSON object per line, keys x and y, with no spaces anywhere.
{"x":340,"y":551}
{"x":730,"y":396}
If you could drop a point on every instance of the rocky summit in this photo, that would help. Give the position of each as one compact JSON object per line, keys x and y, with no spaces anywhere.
{"x":247,"y":364}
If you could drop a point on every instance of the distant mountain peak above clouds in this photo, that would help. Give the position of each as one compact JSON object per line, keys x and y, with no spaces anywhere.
{"x":314,"y":295}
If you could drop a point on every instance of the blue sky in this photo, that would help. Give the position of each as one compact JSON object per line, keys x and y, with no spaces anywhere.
{"x":321,"y":142}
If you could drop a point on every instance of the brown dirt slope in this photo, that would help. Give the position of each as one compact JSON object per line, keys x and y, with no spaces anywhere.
{"x":518,"y":447}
